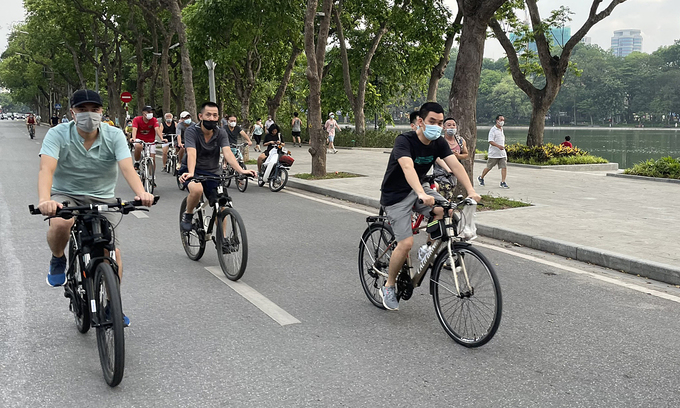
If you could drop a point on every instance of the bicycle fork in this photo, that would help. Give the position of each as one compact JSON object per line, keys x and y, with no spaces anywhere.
{"x":455,"y":270}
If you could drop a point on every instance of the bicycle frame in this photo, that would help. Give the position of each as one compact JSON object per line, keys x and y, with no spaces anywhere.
{"x":222,"y":201}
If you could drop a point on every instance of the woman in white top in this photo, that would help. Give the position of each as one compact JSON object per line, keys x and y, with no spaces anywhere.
{"x":256,"y":133}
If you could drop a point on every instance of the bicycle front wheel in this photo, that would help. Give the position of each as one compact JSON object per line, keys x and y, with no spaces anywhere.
{"x":232,"y":244}
{"x":80,"y":305}
{"x":149,"y":176}
{"x":375,"y":250}
{"x":110,"y":336}
{"x":242,"y":183}
{"x":192,"y":240}
{"x":472,"y":314}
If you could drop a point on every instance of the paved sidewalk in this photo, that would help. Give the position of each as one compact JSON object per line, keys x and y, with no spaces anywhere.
{"x":624,"y":224}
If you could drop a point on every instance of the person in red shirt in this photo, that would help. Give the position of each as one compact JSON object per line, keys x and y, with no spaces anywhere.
{"x":145,"y":128}
{"x":567,"y":142}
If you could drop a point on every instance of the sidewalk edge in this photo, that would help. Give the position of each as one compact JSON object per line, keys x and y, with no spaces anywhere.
{"x":644,"y":178}
{"x":635,"y":266}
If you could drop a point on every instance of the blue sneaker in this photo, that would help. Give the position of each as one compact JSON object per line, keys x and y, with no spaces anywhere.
{"x":57,"y":274}
{"x":389,"y":297}
{"x":504,"y":185}
{"x":126,"y":320}
{"x":481,"y":180}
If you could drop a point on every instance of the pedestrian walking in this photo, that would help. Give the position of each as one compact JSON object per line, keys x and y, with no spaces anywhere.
{"x":256,"y":132}
{"x":497,"y":154}
{"x":269,"y":122}
{"x":296,"y":129}
{"x":331,"y":126}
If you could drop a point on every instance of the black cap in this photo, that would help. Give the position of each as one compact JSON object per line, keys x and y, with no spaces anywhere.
{"x":147,"y":108}
{"x":82,"y":96}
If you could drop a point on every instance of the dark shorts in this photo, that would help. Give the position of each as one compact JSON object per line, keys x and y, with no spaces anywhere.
{"x":209,"y":186}
{"x":257,"y":138}
{"x":296,"y":134}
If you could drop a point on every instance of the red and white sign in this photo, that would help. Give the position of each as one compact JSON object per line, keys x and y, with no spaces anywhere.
{"x":126,"y":97}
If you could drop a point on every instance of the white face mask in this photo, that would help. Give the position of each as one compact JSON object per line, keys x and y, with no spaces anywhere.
{"x":168,"y":120}
{"x":501,"y":123}
{"x":451,"y":132}
{"x":232,"y":124}
{"x":149,"y":116}
{"x":88,"y":121}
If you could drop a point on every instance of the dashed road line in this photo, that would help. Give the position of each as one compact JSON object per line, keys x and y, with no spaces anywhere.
{"x":345,"y":207}
{"x":269,"y":308}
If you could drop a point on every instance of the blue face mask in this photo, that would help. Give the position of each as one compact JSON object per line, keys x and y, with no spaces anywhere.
{"x":432,"y":132}
{"x":187,"y":121}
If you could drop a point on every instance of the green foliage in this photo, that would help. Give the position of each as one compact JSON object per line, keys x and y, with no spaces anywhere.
{"x":549,"y":154}
{"x":665,"y":167}
{"x":491,"y":203}
{"x":372,"y":138}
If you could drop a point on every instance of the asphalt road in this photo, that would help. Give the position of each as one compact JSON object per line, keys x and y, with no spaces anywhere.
{"x":571,"y":335}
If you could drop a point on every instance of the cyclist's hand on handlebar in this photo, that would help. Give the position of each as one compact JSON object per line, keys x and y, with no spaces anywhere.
{"x":250,"y":173}
{"x":426,"y":199}
{"x":146,"y":199}
{"x":49,"y":208}
{"x":165,"y":140}
{"x":475,"y":196}
{"x":250,"y":143}
{"x":186,"y":176}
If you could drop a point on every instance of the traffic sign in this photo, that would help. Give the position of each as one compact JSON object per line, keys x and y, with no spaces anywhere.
{"x":126,"y":97}
{"x":57,"y":106}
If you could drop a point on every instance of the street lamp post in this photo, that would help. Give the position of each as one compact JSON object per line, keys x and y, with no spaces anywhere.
{"x":211,"y":79}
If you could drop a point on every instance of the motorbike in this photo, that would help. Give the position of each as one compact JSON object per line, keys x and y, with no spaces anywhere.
{"x":275,"y":168}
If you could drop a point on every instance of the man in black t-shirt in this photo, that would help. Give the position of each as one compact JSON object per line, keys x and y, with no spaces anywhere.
{"x":234,"y":130}
{"x":203,"y":142}
{"x":413,"y":155}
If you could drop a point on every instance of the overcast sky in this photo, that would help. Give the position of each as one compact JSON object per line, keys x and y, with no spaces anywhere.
{"x":658,"y":20}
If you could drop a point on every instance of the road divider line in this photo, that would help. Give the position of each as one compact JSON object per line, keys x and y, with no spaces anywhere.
{"x":269,"y":308}
{"x":599,"y":277}
{"x":139,"y":214}
{"x":344,"y":207}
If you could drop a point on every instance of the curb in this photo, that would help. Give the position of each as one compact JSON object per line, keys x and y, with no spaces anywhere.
{"x":565,"y":167}
{"x":612,"y":260}
{"x":644,"y":178}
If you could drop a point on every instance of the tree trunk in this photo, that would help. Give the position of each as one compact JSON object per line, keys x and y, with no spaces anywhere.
{"x":537,"y":124}
{"x":273,"y":104}
{"x":187,"y":70}
{"x":315,"y":49}
{"x":438,"y":70}
{"x":165,"y":74}
{"x":463,"y":95}
{"x":359,"y":120}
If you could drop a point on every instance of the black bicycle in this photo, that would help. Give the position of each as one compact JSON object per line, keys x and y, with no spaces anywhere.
{"x":92,"y":283}
{"x":229,"y":238}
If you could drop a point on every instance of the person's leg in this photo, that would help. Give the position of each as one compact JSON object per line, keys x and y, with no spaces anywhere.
{"x":165,"y":154}
{"x":195,"y":192}
{"x":397,"y":259}
{"x":260,"y":160}
{"x":58,"y":235}
{"x":180,"y":155}
{"x":504,"y":173}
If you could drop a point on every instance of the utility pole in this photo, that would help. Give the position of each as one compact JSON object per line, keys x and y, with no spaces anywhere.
{"x":211,"y":79}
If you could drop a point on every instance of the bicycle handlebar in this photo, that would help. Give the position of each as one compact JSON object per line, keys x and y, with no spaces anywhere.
{"x":121,"y":206}
{"x":203,"y":177}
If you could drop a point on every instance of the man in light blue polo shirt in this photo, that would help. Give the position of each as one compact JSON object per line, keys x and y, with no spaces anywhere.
{"x":79,"y":163}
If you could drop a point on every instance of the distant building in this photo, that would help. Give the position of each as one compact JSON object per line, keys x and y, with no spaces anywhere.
{"x":586,"y":40}
{"x":625,"y":42}
{"x":559,"y":37}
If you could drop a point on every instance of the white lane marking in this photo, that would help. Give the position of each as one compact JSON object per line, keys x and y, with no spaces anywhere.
{"x":270,"y":308}
{"x":344,"y":207}
{"x":139,"y":214}
{"x":602,"y":278}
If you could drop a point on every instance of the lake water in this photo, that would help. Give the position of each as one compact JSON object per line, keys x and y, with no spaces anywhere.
{"x":623,"y":146}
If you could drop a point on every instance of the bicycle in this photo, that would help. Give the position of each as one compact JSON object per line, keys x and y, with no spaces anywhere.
{"x":92,"y":284}
{"x":147,"y":167}
{"x":230,"y":237}
{"x":172,"y":159}
{"x":467,"y":298}
{"x":31,"y":130}
{"x":241,"y":182}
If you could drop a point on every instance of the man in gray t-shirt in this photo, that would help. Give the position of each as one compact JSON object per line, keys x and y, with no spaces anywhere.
{"x":204,"y":141}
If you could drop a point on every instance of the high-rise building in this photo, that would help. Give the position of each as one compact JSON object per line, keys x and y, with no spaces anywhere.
{"x":558,"y":38}
{"x":625,"y":42}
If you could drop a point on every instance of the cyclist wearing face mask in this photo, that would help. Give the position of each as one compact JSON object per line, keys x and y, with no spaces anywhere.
{"x":184,"y":123}
{"x":169,"y":132}
{"x":234,"y":131}
{"x":443,"y":177}
{"x":79,"y":163}
{"x":145,"y":128}
{"x":204,"y":143}
{"x":413,"y":155}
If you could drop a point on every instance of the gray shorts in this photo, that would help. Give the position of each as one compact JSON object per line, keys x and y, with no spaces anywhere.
{"x":114,"y":218}
{"x":399,"y":214}
{"x":502,"y":162}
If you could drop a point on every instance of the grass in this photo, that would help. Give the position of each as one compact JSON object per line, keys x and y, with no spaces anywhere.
{"x":328,"y":176}
{"x":251,"y":161}
{"x":491,"y":203}
{"x":665,"y":167}
{"x":556,"y":161}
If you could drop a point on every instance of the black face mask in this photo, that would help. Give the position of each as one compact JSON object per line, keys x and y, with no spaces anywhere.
{"x":210,"y":124}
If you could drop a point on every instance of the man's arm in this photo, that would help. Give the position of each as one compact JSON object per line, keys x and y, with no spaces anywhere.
{"x":159,"y":134}
{"x":245,"y":136}
{"x":462,"y":176}
{"x":412,"y":179}
{"x":134,"y":133}
{"x":443,"y":165}
{"x":191,"y":164}
{"x":231,"y":159}
{"x":48,"y":165}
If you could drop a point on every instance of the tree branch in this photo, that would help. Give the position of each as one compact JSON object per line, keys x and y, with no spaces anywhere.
{"x":521,"y":81}
{"x":346,"y":77}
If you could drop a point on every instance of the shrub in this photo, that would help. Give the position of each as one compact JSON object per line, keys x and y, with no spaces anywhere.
{"x":549,"y":154}
{"x":372,"y":138}
{"x":665,"y":167}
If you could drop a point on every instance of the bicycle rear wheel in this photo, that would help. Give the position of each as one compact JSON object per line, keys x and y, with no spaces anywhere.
{"x":192,"y":241}
{"x":375,"y":250}
{"x":80,"y":305}
{"x":232,"y":244}
{"x":472,"y":317}
{"x":110,"y":336}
